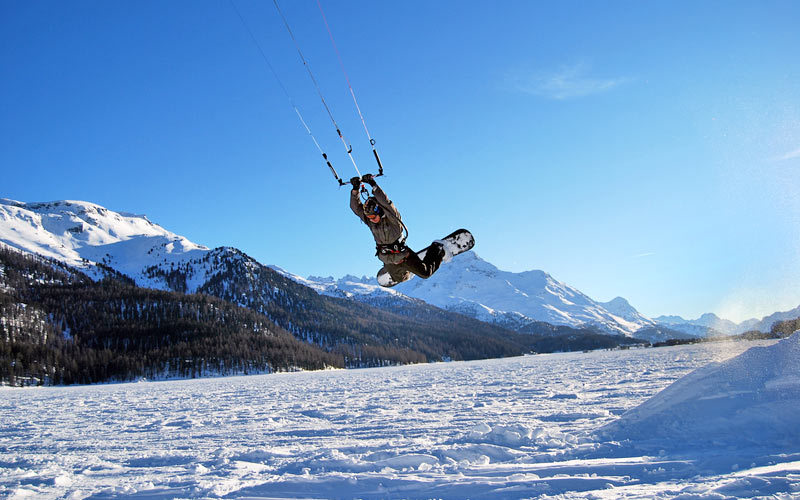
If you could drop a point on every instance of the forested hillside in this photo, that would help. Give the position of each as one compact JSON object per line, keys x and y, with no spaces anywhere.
{"x":59,"y":327}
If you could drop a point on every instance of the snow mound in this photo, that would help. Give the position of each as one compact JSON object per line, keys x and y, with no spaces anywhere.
{"x":750,"y":400}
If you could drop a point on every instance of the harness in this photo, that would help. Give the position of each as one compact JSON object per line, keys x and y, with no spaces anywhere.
{"x":398,"y":246}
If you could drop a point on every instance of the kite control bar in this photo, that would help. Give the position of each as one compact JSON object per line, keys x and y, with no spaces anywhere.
{"x":339,"y":179}
{"x":377,"y":159}
{"x":361,"y":179}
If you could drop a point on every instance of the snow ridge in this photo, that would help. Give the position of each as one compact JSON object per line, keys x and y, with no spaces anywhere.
{"x":750,"y":399}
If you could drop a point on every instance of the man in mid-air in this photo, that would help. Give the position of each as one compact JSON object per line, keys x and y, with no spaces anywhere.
{"x":383,"y":219}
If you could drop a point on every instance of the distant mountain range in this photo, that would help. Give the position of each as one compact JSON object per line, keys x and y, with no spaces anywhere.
{"x":99,"y":241}
{"x":712,"y":322}
{"x":472,"y":286}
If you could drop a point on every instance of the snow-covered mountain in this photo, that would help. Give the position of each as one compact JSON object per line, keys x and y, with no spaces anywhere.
{"x":90,"y":237}
{"x":706,"y":322}
{"x":472,"y":286}
{"x":714,"y":325}
{"x":622,"y":308}
{"x":765,"y":324}
{"x":130,"y":248}
{"x":348,"y":286}
{"x":478,"y":287}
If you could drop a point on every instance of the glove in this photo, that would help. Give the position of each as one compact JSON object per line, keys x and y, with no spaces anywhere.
{"x":369,"y":179}
{"x":356,"y":182}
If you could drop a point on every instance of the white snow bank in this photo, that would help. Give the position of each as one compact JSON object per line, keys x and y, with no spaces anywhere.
{"x":752,"y":399}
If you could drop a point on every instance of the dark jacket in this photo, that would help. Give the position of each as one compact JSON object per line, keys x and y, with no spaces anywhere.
{"x":388,"y":230}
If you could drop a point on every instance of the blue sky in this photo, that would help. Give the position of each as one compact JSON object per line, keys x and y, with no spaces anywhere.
{"x":642,"y":149}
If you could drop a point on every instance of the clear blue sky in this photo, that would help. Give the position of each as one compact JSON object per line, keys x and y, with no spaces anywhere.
{"x":643,"y":149}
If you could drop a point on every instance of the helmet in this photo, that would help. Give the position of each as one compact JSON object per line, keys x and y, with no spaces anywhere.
{"x":372,"y":207}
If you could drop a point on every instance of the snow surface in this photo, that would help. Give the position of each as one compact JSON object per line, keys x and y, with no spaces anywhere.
{"x":544,"y":427}
{"x":761,"y":388}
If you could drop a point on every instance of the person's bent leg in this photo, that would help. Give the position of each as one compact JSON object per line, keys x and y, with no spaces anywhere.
{"x":425,"y":268}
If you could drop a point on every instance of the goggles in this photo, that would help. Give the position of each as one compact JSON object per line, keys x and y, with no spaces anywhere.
{"x":372,"y":208}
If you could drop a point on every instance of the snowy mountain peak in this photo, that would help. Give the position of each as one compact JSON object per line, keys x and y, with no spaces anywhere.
{"x":470,"y":262}
{"x":84,"y":234}
{"x":670,"y":319}
{"x":620,"y":307}
{"x":619,"y":302}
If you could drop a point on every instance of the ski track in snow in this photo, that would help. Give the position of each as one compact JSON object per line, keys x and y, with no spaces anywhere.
{"x":497,"y":429}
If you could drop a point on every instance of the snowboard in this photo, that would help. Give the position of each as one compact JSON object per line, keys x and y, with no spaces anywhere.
{"x":457,"y":242}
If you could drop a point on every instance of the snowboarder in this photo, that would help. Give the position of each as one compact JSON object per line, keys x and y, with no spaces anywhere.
{"x":383,"y":219}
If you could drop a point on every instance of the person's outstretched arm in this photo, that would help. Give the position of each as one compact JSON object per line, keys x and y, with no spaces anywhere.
{"x":380,"y":195}
{"x":355,"y":201}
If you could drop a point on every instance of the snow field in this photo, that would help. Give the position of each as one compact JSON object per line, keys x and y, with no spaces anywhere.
{"x":498,"y":429}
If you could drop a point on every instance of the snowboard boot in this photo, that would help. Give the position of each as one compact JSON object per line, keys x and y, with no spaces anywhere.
{"x":434,"y":256}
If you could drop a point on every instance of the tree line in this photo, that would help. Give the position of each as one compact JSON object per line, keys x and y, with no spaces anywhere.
{"x":404,"y":330}
{"x":785,"y":328}
{"x":60,"y":327}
